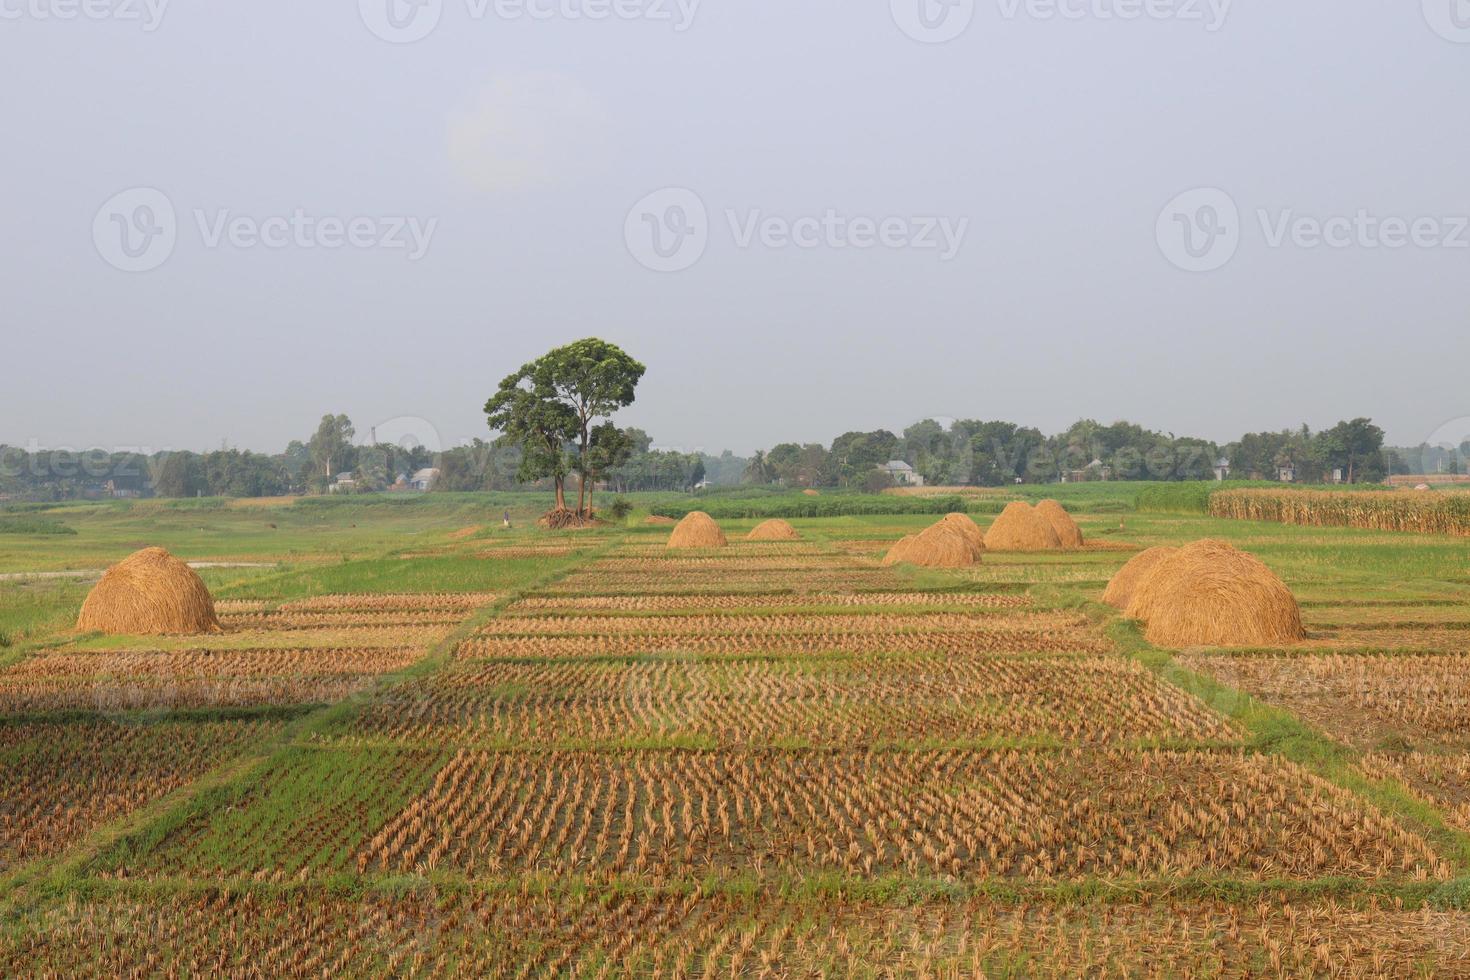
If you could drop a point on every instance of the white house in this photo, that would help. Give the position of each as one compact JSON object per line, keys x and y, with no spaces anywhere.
{"x":344,"y":483}
{"x":1222,"y":468}
{"x":424,"y":479}
{"x":902,"y":473}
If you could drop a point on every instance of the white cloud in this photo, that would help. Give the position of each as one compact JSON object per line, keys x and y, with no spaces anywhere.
{"x":527,"y":131}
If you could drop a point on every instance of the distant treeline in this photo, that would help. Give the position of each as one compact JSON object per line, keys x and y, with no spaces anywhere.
{"x":961,"y":453}
{"x":969,"y":452}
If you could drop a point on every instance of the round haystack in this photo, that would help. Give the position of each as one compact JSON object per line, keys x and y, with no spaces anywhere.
{"x":937,"y":546}
{"x":1067,"y":530}
{"x":1020,"y":528}
{"x":697,"y":530}
{"x":1120,"y":590}
{"x":968,"y":528}
{"x":1209,"y":594}
{"x":773,"y":530}
{"x":812,"y":493}
{"x":149,"y":593}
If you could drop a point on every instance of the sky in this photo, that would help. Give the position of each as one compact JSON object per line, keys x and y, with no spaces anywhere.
{"x":1204,"y":216}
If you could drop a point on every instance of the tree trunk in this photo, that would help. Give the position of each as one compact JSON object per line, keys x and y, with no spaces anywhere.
{"x":561,"y":496}
{"x":581,"y":492}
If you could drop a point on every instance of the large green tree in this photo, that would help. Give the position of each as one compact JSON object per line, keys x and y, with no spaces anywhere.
{"x":594,"y":379}
{"x":331,"y":447}
{"x":551,"y":406}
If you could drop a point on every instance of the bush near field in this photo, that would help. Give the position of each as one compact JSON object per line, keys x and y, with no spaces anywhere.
{"x":1384,"y":510}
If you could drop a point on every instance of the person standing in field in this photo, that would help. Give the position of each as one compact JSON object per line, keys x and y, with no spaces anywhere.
{"x":506,"y":519}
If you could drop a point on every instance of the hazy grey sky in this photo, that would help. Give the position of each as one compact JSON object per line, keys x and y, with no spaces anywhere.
{"x":517,"y":139}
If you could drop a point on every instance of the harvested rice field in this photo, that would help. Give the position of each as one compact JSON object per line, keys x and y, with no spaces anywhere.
{"x":581,"y":754}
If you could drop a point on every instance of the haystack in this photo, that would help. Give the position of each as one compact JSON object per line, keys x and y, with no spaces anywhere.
{"x":812,"y":493}
{"x":937,"y":546}
{"x":1067,"y":530}
{"x":1120,"y":590}
{"x":1209,"y":594}
{"x":1020,"y":528}
{"x":773,"y":530}
{"x":659,"y":519}
{"x":149,"y":593}
{"x":968,"y":528}
{"x":697,"y":530}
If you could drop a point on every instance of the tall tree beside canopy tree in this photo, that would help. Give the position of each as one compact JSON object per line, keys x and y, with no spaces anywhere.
{"x":610,"y":448}
{"x":332,"y":444}
{"x":593,"y":379}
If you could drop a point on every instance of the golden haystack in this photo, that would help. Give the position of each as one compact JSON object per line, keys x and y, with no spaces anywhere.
{"x":149,"y":593}
{"x":1209,"y":594}
{"x":937,"y":546}
{"x":812,"y":493}
{"x":1067,"y":530}
{"x":697,"y":530}
{"x":1020,"y":528}
{"x":968,"y":528}
{"x":659,"y":519}
{"x":773,"y":530}
{"x":1120,"y":590}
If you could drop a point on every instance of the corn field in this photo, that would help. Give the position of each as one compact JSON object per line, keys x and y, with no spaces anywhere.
{"x":1411,"y":511}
